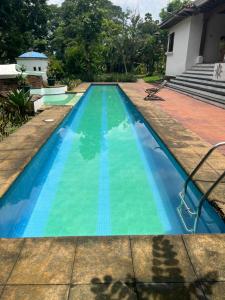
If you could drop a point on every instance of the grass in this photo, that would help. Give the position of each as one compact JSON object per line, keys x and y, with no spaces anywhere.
{"x":153,"y":78}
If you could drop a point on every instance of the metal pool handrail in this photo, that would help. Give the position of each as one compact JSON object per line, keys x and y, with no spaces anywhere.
{"x":182,"y":194}
{"x":201,"y":163}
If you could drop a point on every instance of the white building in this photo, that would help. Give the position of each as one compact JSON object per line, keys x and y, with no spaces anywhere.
{"x":35,"y":63}
{"x":196,"y":45}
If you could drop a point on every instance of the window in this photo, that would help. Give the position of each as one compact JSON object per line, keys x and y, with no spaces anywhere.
{"x":39,"y":68}
{"x":35,"y":69}
{"x":171,"y":42}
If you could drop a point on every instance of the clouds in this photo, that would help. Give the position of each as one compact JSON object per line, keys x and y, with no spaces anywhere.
{"x":140,"y":6}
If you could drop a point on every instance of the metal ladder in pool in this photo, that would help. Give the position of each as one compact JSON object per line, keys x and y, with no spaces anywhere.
{"x":195,"y":214}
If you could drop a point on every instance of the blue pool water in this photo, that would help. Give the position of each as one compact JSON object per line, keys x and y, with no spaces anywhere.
{"x":103,"y":171}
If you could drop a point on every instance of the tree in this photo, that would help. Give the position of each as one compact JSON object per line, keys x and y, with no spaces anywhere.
{"x":21,"y":23}
{"x":172,"y":7}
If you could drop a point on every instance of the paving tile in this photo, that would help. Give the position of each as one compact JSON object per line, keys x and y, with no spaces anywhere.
{"x":11,"y":164}
{"x":44,"y":261}
{"x":207,"y":255}
{"x":9,"y":251}
{"x":113,"y":291}
{"x":100,"y":257}
{"x":161,"y":259}
{"x":214,"y":290}
{"x":35,"y":292}
{"x":169,"y":291}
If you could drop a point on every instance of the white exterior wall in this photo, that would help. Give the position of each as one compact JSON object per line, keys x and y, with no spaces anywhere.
{"x":186,"y":45}
{"x":215,"y":30}
{"x":176,"y":60}
{"x":30,"y":63}
{"x":194,"y":40}
{"x":49,"y":91}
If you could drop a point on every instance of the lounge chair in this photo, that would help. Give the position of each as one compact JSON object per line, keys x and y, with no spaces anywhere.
{"x":153,"y":91}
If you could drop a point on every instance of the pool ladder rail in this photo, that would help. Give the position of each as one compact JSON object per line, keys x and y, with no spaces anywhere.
{"x":195,"y":214}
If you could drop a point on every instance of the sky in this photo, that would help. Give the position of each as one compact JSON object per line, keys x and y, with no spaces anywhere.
{"x":140,"y":6}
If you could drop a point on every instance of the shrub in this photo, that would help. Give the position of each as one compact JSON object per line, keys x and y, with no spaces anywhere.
{"x":116,"y":77}
{"x":71,"y":83}
{"x":18,"y":106}
{"x":153,"y":78}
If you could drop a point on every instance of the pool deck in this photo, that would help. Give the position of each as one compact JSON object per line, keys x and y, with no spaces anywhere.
{"x":147,"y":267}
{"x":17,"y":150}
{"x":129,"y":267}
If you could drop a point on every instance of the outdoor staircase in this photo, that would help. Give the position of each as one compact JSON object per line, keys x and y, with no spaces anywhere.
{"x":198,"y":81}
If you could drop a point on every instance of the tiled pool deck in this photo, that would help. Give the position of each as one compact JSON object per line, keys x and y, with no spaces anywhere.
{"x":163,"y":267}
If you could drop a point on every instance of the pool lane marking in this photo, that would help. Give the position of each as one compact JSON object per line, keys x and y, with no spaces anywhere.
{"x":104,"y":222}
{"x":160,"y":207}
{"x":39,"y":217}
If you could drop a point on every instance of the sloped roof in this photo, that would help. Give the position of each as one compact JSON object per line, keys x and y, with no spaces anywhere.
{"x":9,"y":71}
{"x":33,"y":54}
{"x":193,"y":8}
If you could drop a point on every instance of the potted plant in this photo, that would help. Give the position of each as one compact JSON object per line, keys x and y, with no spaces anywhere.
{"x":51,"y":76}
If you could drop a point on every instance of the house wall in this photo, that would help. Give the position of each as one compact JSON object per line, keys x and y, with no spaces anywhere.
{"x":186,"y":45}
{"x":176,"y":60}
{"x":194,"y":40}
{"x":29,"y":64}
{"x":215,"y":30}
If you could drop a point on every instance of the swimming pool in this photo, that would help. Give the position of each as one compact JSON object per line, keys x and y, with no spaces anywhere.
{"x":104,"y":171}
{"x":63,"y":99}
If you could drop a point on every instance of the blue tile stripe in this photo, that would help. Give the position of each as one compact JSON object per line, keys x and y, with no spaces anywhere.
{"x":39,"y":217}
{"x":104,"y":223}
{"x":160,"y":206}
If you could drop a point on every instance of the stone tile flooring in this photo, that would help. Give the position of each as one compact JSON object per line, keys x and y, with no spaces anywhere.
{"x":144,"y":267}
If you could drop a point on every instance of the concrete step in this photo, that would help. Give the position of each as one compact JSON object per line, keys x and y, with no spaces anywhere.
{"x":195,"y":72}
{"x":197,"y":92}
{"x":205,"y":65}
{"x":197,"y":69}
{"x":203,"y":87}
{"x":218,"y":84}
{"x":196,"y":76}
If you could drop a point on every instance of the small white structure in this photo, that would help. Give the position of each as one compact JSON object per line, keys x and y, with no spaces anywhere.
{"x":9,"y":71}
{"x":196,"y":36}
{"x":35,"y":63}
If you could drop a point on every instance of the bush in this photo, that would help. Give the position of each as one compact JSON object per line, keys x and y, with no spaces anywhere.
{"x":116,"y":77}
{"x":153,"y":78}
{"x":18,"y":105}
{"x":70,"y":83}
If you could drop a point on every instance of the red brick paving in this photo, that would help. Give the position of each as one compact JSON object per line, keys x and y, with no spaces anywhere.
{"x":206,"y":120}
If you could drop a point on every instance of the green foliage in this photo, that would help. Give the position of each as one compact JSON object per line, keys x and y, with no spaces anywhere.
{"x":116,"y":77}
{"x":18,"y":106}
{"x":141,"y":69}
{"x":71,"y":83}
{"x":153,"y":78}
{"x":55,"y":69}
{"x":84,"y":38}
{"x":172,"y":7}
{"x":21,"y":23}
